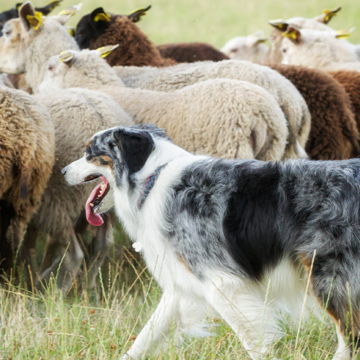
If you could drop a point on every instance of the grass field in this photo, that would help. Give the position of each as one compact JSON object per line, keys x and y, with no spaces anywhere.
{"x":103,"y":323}
{"x":215,"y":21}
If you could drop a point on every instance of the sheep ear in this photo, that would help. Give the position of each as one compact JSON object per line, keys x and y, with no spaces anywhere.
{"x":344,"y":34}
{"x":135,"y":147}
{"x":67,"y":58}
{"x":261,"y":40}
{"x":29,"y":17}
{"x":279,"y":24}
{"x":50,"y":7}
{"x":293,"y":34}
{"x":64,"y":15}
{"x":99,"y":16}
{"x":136,"y":15}
{"x":328,"y":15}
{"x":106,"y":50}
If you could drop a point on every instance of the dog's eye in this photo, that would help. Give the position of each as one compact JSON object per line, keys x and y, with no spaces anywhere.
{"x":50,"y":67}
{"x":7,"y":32}
{"x":283,"y":50}
{"x":87,"y":156}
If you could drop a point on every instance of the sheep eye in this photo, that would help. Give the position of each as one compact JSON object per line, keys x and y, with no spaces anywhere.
{"x":7,"y":32}
{"x":234,"y":50}
{"x":50,"y":67}
{"x":284,"y":50}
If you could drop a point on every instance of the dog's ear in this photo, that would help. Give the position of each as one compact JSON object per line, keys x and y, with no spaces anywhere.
{"x":135,"y":147}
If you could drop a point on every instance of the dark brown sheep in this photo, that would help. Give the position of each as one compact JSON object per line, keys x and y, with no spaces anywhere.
{"x":100,"y":29}
{"x":191,"y":52}
{"x":334,"y":134}
{"x":27,"y":157}
{"x":350,"y":80}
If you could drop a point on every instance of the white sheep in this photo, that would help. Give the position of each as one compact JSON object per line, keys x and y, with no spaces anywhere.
{"x":221,"y":117}
{"x":250,"y":48}
{"x":26,"y":46}
{"x":284,"y":92}
{"x":318,"y":49}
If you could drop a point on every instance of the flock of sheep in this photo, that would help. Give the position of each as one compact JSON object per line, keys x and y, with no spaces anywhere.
{"x":305,"y":102}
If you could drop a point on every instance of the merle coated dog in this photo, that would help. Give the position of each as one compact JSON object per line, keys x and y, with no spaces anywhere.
{"x":242,"y":236}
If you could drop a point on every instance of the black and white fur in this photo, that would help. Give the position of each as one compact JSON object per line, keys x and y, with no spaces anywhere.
{"x":237,"y":235}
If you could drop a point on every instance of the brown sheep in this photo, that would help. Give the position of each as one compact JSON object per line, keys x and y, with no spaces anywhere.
{"x":100,"y":29}
{"x":191,"y":52}
{"x":350,"y":80}
{"x":334,"y":134}
{"x":27,"y":157}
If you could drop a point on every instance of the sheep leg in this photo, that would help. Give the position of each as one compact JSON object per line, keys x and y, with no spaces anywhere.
{"x":101,"y":245}
{"x":27,"y":252}
{"x":50,"y":249}
{"x":67,"y":265}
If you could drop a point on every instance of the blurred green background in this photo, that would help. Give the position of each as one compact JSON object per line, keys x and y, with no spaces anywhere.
{"x":215,"y":22}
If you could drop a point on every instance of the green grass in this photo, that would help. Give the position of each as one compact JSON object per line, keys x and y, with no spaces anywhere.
{"x":101,"y":324}
{"x":215,"y":21}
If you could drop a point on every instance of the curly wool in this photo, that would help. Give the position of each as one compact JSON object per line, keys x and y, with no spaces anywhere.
{"x":177,"y":77}
{"x":134,"y":46}
{"x":334,"y":134}
{"x":27,"y":158}
{"x":350,"y":80}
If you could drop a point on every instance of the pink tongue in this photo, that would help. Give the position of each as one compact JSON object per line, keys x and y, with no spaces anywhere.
{"x":92,"y":218}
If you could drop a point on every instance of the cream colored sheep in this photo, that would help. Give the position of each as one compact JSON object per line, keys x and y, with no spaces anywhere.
{"x":77,"y":114}
{"x":250,"y":48}
{"x":26,"y":46}
{"x":222,"y":118}
{"x":318,"y":49}
{"x":284,"y":92}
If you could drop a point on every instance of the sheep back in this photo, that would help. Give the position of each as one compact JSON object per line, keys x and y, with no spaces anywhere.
{"x":333,"y":134}
{"x":191,"y":52}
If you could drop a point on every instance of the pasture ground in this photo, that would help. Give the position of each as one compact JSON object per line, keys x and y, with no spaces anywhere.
{"x":103,"y":323}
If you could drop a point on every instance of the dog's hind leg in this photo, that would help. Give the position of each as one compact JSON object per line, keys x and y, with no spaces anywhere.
{"x":241,"y":303}
{"x":157,"y":330}
{"x":335,"y":283}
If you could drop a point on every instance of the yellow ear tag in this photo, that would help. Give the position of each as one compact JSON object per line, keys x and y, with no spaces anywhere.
{"x":344,"y":34}
{"x":138,"y":16}
{"x":330,"y":13}
{"x":291,"y":34}
{"x":66,"y":56}
{"x":102,"y":17}
{"x":106,"y":50}
{"x":35,"y":20}
{"x":71,"y":31}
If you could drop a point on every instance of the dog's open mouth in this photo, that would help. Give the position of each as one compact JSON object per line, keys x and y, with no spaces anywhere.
{"x":95,"y":199}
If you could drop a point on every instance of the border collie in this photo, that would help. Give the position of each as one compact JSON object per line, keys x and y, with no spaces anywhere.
{"x":242,"y":236}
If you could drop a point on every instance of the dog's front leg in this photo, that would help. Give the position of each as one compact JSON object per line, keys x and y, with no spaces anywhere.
{"x":157,"y":330}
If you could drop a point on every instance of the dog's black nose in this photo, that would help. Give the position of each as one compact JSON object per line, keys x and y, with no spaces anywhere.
{"x":64,"y":170}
